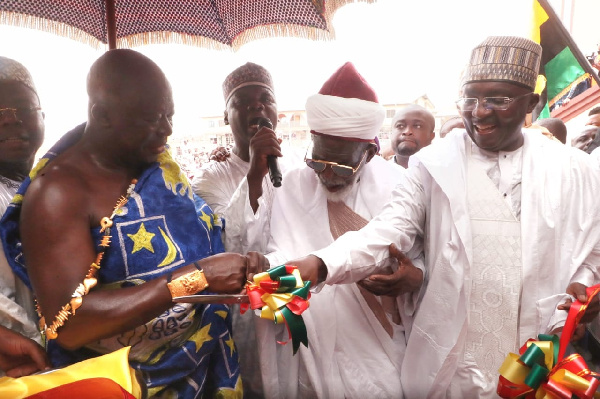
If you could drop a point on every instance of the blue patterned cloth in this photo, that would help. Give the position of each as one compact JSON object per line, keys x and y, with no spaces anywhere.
{"x":188,"y":349}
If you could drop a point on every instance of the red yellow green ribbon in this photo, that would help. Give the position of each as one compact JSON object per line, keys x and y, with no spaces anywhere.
{"x":282,"y":296}
{"x":540,"y":370}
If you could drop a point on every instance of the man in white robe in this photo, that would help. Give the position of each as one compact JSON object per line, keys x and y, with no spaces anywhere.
{"x":356,"y":339}
{"x":509,"y":220}
{"x":234,"y":187}
{"x":249,"y":95}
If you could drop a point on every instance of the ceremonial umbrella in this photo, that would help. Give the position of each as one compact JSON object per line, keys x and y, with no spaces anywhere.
{"x":216,"y":24}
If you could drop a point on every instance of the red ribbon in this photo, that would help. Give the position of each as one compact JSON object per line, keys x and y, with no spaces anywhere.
{"x":568,"y":376}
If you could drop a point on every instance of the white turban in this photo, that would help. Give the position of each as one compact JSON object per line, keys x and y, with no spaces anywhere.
{"x":344,"y":117}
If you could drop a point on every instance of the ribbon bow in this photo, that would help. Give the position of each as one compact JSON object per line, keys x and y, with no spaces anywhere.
{"x":542,"y":372}
{"x":282,"y":296}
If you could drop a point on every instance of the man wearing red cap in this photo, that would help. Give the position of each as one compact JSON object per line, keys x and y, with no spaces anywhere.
{"x":356,"y":339}
{"x":510,"y":222}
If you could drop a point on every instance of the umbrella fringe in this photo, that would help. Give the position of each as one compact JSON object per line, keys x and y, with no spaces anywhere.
{"x":297,"y":31}
{"x":258,"y":32}
{"x":46,"y":25}
{"x":281,"y":30}
{"x":143,"y":39}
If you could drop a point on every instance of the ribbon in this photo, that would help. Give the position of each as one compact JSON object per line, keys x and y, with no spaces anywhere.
{"x":540,"y":370}
{"x":282,"y":296}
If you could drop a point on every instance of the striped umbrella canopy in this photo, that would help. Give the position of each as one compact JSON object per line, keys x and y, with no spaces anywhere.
{"x":215,"y":24}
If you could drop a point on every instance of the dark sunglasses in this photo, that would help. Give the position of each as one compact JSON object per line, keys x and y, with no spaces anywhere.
{"x":340,"y":170}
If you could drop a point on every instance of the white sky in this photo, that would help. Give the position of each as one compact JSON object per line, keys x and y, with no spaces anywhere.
{"x":403,"y":49}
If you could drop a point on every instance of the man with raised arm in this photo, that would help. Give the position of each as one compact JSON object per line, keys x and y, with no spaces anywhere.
{"x":234,"y":186}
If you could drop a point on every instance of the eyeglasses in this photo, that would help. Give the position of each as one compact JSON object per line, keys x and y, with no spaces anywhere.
{"x":18,"y":113}
{"x":340,"y":170}
{"x":489,"y":103}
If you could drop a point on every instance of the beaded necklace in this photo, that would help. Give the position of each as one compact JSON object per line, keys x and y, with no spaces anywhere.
{"x":91,"y":279}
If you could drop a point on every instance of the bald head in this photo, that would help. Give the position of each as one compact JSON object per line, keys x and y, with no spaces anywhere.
{"x":130,"y":108}
{"x":412,"y":129}
{"x":554,"y":126}
{"x":415,"y":108}
{"x":123,"y":75}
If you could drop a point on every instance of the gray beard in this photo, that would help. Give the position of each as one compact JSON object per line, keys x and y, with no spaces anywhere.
{"x":340,"y":195}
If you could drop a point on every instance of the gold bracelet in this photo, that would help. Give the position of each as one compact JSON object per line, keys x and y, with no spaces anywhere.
{"x":188,"y":284}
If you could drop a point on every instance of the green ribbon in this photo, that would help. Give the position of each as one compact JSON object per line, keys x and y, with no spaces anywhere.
{"x":555,"y":344}
{"x":536,"y":376}
{"x":297,"y":329}
{"x":532,"y":356}
{"x":277,"y":271}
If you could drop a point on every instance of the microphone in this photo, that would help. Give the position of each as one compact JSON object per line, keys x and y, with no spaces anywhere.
{"x":274,"y":172}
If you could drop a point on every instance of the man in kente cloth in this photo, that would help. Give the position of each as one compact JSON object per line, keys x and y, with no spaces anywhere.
{"x":111,"y":232}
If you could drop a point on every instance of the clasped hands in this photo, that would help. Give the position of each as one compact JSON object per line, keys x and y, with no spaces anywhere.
{"x":228,"y":273}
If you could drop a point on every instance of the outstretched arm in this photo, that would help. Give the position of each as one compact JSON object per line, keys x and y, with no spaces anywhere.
{"x":58,"y":246}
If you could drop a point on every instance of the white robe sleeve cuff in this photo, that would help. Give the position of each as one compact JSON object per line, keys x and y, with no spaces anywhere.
{"x":550,"y":319}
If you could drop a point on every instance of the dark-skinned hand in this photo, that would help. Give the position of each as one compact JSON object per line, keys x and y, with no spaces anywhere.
{"x":219,"y":154}
{"x":407,"y":278}
{"x":578,"y":291}
{"x":262,"y":144}
{"x":225,"y":273}
{"x":257,"y":263}
{"x":19,"y":355}
{"x":311,"y":268}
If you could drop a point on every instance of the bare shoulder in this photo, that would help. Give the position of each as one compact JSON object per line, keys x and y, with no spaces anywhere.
{"x":59,"y":187}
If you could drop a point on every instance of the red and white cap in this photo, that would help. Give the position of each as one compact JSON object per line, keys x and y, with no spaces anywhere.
{"x":346,"y":107}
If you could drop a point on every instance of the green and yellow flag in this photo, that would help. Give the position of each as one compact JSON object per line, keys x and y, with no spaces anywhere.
{"x":563,"y":66}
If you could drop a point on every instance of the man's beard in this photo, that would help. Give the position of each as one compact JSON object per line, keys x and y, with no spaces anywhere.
{"x":339,"y":195}
{"x":406,"y":151}
{"x":342,"y":194}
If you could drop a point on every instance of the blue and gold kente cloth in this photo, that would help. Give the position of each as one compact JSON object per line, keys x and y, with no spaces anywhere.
{"x":188,"y":350}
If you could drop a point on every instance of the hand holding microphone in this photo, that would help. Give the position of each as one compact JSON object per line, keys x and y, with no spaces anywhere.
{"x":274,"y":171}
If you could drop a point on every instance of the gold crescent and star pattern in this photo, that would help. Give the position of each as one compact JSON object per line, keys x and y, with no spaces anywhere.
{"x":151,"y":234}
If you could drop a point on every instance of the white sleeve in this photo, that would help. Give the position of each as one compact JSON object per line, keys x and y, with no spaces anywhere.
{"x":357,"y":254}
{"x":246,"y":230}
{"x":551,"y":320}
{"x":208,"y":187}
{"x":16,"y":303}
